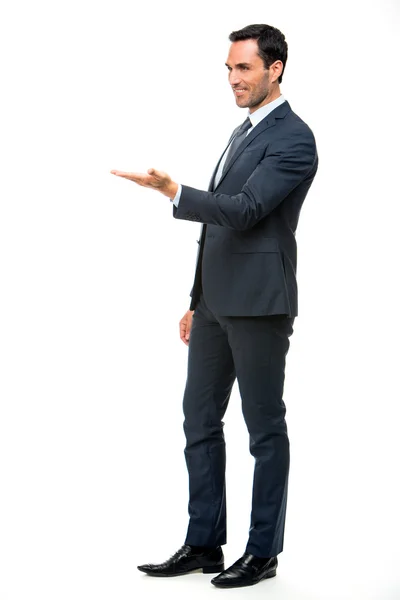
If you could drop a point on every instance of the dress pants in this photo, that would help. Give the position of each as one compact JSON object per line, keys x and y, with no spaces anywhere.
{"x":253,"y":350}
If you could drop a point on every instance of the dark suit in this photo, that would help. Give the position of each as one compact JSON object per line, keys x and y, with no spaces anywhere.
{"x":245,"y":300}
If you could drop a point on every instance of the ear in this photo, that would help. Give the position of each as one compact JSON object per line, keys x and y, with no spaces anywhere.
{"x":276,"y":70}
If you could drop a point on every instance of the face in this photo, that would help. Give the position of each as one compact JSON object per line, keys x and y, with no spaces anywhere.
{"x":252,"y":84}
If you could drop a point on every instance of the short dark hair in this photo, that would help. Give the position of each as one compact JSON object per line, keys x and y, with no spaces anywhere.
{"x":271,"y":42}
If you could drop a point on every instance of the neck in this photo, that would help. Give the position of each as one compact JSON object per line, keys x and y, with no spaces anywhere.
{"x":274,"y":95}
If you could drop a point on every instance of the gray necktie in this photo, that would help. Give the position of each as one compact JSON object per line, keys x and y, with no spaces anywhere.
{"x":237,"y":140}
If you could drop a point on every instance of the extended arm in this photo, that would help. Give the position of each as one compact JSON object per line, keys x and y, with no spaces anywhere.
{"x":282,"y":169}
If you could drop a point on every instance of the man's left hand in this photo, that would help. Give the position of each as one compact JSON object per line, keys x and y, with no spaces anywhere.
{"x":157,"y":180}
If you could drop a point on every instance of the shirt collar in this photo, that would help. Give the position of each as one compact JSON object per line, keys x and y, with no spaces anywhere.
{"x":258,"y":115}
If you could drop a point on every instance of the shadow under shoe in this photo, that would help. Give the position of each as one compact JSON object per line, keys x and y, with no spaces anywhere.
{"x":187,"y":560}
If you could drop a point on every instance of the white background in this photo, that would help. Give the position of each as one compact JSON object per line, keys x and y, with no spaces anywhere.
{"x":95,"y":275}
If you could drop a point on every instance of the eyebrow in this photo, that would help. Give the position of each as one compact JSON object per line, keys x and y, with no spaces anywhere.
{"x":239,"y":65}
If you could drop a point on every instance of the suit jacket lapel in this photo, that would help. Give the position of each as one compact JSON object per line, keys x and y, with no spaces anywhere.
{"x":211,"y":184}
{"x":266,"y":123}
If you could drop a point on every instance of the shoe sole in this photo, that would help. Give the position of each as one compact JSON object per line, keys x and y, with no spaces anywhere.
{"x":204,"y":570}
{"x":244,"y":584}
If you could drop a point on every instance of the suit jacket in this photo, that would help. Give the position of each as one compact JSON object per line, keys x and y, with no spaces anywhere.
{"x":246,"y":264}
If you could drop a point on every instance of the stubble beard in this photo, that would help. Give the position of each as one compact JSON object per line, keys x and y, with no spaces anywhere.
{"x":257,"y":97}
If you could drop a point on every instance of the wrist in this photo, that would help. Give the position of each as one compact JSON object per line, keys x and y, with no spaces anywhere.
{"x":171,"y":190}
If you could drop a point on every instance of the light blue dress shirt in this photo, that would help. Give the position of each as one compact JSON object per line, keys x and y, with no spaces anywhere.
{"x":256,"y":117}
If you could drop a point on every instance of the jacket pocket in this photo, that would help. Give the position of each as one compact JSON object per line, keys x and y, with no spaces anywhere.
{"x":254,"y":245}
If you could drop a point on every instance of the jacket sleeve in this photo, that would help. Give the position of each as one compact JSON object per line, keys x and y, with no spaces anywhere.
{"x":284,"y":166}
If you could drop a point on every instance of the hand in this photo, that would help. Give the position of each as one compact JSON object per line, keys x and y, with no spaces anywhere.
{"x":185,"y":325}
{"x":156,"y":180}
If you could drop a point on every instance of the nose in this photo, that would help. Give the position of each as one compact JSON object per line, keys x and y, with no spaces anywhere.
{"x":234,"y":78}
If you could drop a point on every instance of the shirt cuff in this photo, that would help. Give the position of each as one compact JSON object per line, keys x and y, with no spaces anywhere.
{"x":175,"y":201}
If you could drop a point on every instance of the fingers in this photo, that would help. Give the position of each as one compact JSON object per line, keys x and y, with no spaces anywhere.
{"x":120,"y":173}
{"x":152,"y":179}
{"x":188,"y":327}
{"x":130,"y":175}
{"x":185,"y":326}
{"x":183,"y":330}
{"x":140,"y":178}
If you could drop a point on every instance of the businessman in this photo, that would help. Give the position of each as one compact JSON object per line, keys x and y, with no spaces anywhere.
{"x":244,"y":301}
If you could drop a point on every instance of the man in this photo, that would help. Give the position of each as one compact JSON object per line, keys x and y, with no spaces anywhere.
{"x":244,"y":301}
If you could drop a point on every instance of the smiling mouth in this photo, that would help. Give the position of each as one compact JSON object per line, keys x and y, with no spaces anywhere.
{"x":239,"y":90}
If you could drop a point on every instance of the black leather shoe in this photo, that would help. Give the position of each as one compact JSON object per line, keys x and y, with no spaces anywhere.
{"x":187,"y":560}
{"x":248,"y":570}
